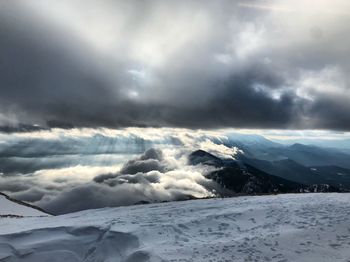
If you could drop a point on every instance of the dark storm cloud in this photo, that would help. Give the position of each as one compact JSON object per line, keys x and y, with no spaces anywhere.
{"x":41,"y":78}
{"x":238,"y":103}
{"x":21,"y":128}
{"x":184,"y":64}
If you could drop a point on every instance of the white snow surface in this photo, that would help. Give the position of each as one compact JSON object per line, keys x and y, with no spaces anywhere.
{"x":8,"y":207}
{"x":291,"y":227}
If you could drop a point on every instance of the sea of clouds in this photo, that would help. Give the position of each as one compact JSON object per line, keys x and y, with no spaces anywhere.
{"x":69,"y":170}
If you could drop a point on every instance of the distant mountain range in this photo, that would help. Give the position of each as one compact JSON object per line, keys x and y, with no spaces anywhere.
{"x":292,"y":170}
{"x":301,"y":163}
{"x":258,"y":147}
{"x":340,"y":144}
{"x":277,"y":169}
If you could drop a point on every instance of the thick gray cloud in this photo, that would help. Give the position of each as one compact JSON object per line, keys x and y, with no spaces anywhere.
{"x":151,"y":160}
{"x":189,"y":64}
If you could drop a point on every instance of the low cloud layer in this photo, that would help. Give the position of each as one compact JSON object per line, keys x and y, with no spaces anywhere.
{"x":151,"y":177}
{"x":64,"y":171}
{"x":195,"y":64}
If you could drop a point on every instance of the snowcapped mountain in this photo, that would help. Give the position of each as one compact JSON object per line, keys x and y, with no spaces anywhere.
{"x":291,"y":227}
{"x":13,"y":208}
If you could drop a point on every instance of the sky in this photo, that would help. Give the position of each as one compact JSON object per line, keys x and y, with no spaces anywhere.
{"x":102,"y":101}
{"x":276,"y":64}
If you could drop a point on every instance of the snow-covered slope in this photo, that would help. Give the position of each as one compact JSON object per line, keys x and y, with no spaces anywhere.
{"x":300,"y":227}
{"x":10,"y":207}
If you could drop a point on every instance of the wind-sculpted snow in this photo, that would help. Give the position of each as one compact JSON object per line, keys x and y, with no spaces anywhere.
{"x":69,"y":244}
{"x":300,"y":227}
